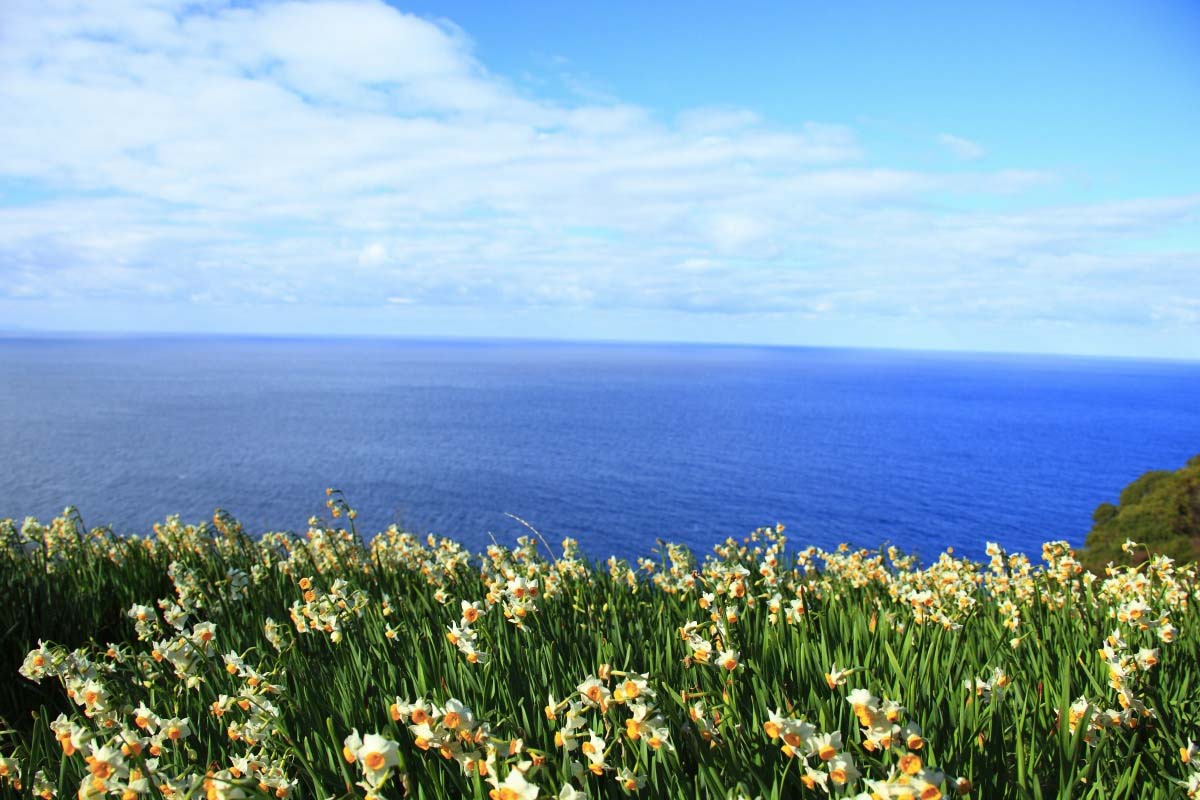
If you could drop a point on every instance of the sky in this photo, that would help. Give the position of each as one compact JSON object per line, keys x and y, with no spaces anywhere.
{"x":962,"y":176}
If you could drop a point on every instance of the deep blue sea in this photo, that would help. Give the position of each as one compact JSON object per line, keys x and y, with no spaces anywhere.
{"x":615,"y":445}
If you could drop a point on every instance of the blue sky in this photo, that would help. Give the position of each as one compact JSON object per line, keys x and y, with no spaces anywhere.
{"x":935,"y":175}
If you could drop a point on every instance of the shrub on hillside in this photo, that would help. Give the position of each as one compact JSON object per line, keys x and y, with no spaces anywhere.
{"x":1160,"y":511}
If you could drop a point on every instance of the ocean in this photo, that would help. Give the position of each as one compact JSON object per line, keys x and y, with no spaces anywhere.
{"x":616,"y":445}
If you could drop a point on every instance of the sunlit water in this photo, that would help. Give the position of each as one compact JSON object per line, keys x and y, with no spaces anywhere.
{"x":616,"y":446}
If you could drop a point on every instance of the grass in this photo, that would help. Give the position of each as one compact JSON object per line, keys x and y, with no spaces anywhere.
{"x":325,"y":667}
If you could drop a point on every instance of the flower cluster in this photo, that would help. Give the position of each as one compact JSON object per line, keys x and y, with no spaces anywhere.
{"x":513,"y":580}
{"x":129,"y":750}
{"x":454,"y":732}
{"x":212,"y":696}
{"x":329,"y":612}
{"x":703,"y":649}
{"x":464,"y":637}
{"x":800,"y":740}
{"x":605,"y":703}
{"x":983,"y":689}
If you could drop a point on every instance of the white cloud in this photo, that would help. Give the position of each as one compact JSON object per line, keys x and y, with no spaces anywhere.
{"x":372,"y":255}
{"x":734,"y":233}
{"x":293,"y":152}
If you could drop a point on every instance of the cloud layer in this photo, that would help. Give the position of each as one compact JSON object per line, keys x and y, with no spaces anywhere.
{"x":291,"y":153}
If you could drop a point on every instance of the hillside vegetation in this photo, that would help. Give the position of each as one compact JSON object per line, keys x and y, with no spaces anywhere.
{"x":1160,"y":512}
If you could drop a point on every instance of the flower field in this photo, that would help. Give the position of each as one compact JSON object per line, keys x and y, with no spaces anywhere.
{"x":202,"y":662}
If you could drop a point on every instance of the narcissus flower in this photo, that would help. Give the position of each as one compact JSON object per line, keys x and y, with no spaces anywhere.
{"x":632,"y":687}
{"x":514,"y":787}
{"x":106,"y":763}
{"x":423,"y":735}
{"x":456,"y":716}
{"x":593,"y":749}
{"x":377,"y":755}
{"x":836,"y":677}
{"x":825,"y":745}
{"x":629,"y":780}
{"x":813,"y":778}
{"x":773,"y":727}
{"x":203,"y":633}
{"x":842,"y":769}
{"x":595,"y":693}
{"x":471,"y":611}
{"x":926,"y":790}
{"x":144,"y":718}
{"x":350,"y":747}
{"x":176,"y":729}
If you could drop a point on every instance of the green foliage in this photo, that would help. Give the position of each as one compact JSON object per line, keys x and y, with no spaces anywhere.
{"x":995,"y":666}
{"x":1103,"y":513}
{"x":1160,"y":512}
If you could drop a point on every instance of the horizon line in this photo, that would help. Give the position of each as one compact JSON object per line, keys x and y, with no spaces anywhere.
{"x":13,"y":334}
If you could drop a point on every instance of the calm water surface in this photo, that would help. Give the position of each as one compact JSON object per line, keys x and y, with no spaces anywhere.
{"x":615,"y":445}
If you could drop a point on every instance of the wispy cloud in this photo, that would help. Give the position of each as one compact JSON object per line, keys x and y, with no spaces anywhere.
{"x":290,"y":152}
{"x":962,"y":148}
